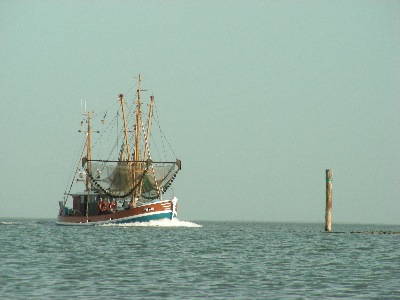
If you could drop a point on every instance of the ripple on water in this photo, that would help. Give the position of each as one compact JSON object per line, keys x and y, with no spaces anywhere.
{"x":184,"y":260}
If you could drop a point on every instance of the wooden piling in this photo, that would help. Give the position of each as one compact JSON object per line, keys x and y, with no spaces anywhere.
{"x":328,"y":212}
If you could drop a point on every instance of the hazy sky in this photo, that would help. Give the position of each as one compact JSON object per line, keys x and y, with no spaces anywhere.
{"x":257,"y":98}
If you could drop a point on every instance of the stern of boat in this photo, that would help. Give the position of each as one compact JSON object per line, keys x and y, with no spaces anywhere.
{"x":174,"y":208}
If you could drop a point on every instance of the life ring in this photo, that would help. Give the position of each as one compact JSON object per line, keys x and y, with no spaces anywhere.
{"x":112,"y":207}
{"x":103,"y":206}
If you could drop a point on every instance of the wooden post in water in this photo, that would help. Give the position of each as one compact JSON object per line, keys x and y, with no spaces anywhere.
{"x":328,"y":212}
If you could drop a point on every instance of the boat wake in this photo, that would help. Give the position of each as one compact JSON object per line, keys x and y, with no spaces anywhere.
{"x":157,"y":223}
{"x":9,"y":223}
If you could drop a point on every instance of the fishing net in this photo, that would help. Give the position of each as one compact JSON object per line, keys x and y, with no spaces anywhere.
{"x":120,"y":179}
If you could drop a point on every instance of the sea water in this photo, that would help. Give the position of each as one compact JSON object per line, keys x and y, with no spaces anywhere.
{"x":186,"y":260}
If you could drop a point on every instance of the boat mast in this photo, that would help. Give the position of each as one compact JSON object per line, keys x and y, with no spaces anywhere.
{"x":148,"y":127}
{"x":121,"y":99}
{"x":89,"y":152}
{"x":147,"y":143}
{"x":137,"y":167}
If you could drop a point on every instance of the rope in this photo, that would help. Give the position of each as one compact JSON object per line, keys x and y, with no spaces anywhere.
{"x":152,"y":169}
{"x":162,"y":133}
{"x":76,"y":171}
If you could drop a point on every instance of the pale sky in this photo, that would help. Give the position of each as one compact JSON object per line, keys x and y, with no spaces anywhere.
{"x":257,"y":98}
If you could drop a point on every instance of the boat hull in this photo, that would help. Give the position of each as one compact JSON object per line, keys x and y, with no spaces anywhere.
{"x":155,"y":211}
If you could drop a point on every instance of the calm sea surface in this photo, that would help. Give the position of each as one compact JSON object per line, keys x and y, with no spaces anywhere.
{"x":39,"y":260}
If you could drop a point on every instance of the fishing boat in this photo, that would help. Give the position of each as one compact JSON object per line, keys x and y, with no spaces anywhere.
{"x":119,"y":180}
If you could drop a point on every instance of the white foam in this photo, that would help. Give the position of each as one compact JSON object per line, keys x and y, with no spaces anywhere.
{"x":9,"y":223}
{"x":157,"y":223}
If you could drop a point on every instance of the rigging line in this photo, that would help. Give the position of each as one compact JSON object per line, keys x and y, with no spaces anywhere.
{"x":94,"y":116}
{"x":77,"y":151}
{"x":155,"y":117}
{"x":111,"y":123}
{"x":130,"y":113}
{"x":128,"y":91}
{"x":162,"y":141}
{"x":109,"y":137}
{"x":132,"y":87}
{"x":154,"y":145}
{"x":130,"y":116}
{"x":115,"y":146}
{"x":152,"y":169}
{"x":73,"y":169}
{"x":104,"y":145}
{"x":145,"y":138}
{"x":132,"y":161}
{"x":105,"y":111}
{"x":163,"y":133}
{"x":99,"y":139}
{"x":76,"y":171}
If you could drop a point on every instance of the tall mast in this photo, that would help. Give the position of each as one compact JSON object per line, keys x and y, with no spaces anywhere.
{"x":138,"y":121}
{"x":89,"y":152}
{"x":148,"y":127}
{"x":147,"y":143}
{"x":121,"y":99}
{"x":137,"y":137}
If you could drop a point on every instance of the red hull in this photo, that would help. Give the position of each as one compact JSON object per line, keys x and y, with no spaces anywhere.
{"x":158,"y":210}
